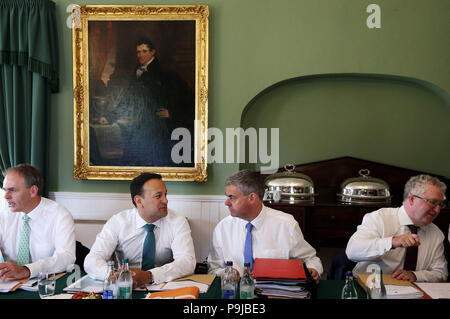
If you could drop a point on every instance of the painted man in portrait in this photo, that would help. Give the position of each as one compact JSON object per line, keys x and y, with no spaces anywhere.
{"x":155,"y":102}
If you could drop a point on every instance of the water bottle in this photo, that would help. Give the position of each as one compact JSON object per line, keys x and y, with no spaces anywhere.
{"x":349,"y":290}
{"x":125,"y":281}
{"x":377,"y":290}
{"x":109,"y":285}
{"x":247,"y":284}
{"x":229,"y":282}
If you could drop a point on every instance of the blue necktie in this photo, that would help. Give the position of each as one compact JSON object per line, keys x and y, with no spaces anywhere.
{"x":148,"y":254}
{"x":248,"y":254}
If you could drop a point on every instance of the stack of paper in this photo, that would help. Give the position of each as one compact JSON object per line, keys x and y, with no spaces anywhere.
{"x":7,"y":286}
{"x":395,"y":289}
{"x":278,"y":289}
{"x":201,"y":281}
{"x":85,"y":284}
{"x":281,"y":278}
{"x":30,"y":285}
{"x":402,"y":292}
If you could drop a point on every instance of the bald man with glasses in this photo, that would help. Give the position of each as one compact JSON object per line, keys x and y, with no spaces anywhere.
{"x":403,"y":241}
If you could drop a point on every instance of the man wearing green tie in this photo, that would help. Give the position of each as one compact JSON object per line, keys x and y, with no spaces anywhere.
{"x":156,"y":240}
{"x":36,"y":233}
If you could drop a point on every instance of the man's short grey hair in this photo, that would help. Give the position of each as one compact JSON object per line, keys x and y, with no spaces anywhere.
{"x":248,"y":182}
{"x":417,"y":185}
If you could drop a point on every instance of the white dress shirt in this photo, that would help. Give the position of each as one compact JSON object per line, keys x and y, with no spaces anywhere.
{"x":124,"y":233}
{"x":52,"y":237}
{"x":275,"y":235}
{"x":372,"y":243}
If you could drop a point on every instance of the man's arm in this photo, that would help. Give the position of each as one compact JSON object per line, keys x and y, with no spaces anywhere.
{"x":366,"y":243}
{"x":216,"y":262}
{"x":303,"y":250}
{"x":106,"y":242}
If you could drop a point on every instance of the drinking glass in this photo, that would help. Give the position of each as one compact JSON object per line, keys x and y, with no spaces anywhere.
{"x":46,"y":284}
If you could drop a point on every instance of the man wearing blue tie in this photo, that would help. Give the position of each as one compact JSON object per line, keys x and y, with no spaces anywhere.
{"x":156,"y":241}
{"x":255,"y":231}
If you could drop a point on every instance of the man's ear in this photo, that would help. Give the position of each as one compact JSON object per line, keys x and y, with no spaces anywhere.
{"x":252,"y":196}
{"x":410,"y":199}
{"x":34,"y":191}
{"x":138,"y":200}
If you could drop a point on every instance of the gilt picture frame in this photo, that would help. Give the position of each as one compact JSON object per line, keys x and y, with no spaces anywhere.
{"x":140,"y":76}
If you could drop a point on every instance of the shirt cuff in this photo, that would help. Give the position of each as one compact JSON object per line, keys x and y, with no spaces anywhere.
{"x":157,"y":275}
{"x":34,"y":270}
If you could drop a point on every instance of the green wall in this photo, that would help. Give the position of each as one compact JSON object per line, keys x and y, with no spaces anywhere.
{"x":391,"y":120}
{"x":257,"y":43}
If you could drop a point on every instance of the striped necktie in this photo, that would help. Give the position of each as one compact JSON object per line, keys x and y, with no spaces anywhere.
{"x":23,"y":256}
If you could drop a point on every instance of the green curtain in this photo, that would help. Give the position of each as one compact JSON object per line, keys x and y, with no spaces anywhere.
{"x":28,"y":76}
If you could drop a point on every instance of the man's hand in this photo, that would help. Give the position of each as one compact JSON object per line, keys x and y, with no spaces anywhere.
{"x":12,"y":271}
{"x":102,"y":120}
{"x":314,"y":274}
{"x":140,"y":277}
{"x":404,"y":275}
{"x":405,"y":241}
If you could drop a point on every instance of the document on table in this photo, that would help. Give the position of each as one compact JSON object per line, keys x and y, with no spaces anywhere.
{"x":7,"y":286}
{"x":402,"y":292}
{"x":201,"y":281}
{"x":30,"y":285}
{"x":86,"y":284}
{"x":436,"y":290}
{"x":175,"y":285}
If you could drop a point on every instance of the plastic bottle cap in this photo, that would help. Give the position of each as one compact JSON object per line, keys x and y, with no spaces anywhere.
{"x":229,"y":263}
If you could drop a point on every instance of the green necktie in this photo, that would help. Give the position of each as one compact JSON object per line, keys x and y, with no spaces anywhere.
{"x":148,"y":254}
{"x":23,"y":256}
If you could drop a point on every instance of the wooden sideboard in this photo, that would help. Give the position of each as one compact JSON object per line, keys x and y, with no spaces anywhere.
{"x":330,"y":223}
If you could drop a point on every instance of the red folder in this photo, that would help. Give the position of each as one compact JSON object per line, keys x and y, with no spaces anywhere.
{"x":279,"y":269}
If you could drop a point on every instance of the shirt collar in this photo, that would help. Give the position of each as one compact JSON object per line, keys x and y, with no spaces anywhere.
{"x":145,"y":66}
{"x":403,"y":217}
{"x":140,"y":223}
{"x":37,"y":211}
{"x":259,"y":220}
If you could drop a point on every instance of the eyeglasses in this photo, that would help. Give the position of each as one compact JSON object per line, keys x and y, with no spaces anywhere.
{"x":433,"y":203}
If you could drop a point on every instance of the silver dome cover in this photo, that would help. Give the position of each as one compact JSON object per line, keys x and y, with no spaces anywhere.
{"x":289,"y":187}
{"x":364,"y":189}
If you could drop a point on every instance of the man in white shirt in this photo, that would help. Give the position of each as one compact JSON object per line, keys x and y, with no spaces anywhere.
{"x":126,"y":234}
{"x":385,"y":235}
{"x":36,"y":234}
{"x":273,"y":234}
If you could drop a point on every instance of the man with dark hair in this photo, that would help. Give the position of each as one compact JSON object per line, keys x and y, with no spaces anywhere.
{"x":156,"y":241}
{"x":255,"y":231}
{"x":36,"y":233}
{"x":155,"y":102}
{"x":403,"y":241}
